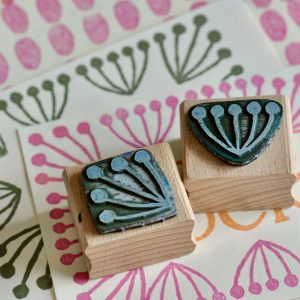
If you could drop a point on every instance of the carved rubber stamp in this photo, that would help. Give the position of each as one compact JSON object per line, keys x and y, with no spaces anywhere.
{"x":118,"y":205}
{"x":127,"y":191}
{"x":237,"y":153}
{"x":236,"y":132}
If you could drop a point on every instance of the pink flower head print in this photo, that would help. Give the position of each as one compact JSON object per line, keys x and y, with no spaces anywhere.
{"x":127,"y":14}
{"x":261,"y":3}
{"x":294,"y":10}
{"x":61,"y":39}
{"x":50,"y":10}
{"x":292,"y":53}
{"x":4,"y":69}
{"x":84,"y":4}
{"x":83,"y":142}
{"x":140,"y":112}
{"x":179,"y":279}
{"x":160,"y":7}
{"x":28,"y":53}
{"x":15,"y":17}
{"x":274,"y":25}
{"x":96,"y":28}
{"x":268,"y":251}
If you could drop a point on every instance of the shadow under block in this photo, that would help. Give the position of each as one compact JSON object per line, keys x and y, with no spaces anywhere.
{"x":121,"y":251}
{"x":215,"y":185}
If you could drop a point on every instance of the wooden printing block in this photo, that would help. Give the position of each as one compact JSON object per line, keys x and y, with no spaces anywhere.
{"x":237,"y":153}
{"x":130,"y":210}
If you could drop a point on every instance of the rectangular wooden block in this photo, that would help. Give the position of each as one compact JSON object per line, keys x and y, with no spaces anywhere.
{"x":121,"y":251}
{"x":214,"y":185}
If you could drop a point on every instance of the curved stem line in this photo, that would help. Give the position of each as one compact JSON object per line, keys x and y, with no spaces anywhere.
{"x":146,"y":129}
{"x":176,"y":46}
{"x":133,"y":65}
{"x":170,"y":125}
{"x":99,"y":283}
{"x":11,"y":202}
{"x":101,"y":86}
{"x":62,"y":153}
{"x":23,"y":245}
{"x":122,"y":76}
{"x":159,"y":123}
{"x":95,"y":145}
{"x":19,"y":234}
{"x":65,"y":100}
{"x":221,"y":130}
{"x":200,"y":61}
{"x":157,"y":279}
{"x":130,"y":189}
{"x":40,"y":106}
{"x":143,"y":70}
{"x":134,"y":137}
{"x":190,"y":49}
{"x":285,"y":250}
{"x":279,"y":256}
{"x":27,"y":114}
{"x":16,"y":119}
{"x":208,"y":282}
{"x":53,"y":100}
{"x":120,"y":285}
{"x":115,"y":133}
{"x":214,"y":64}
{"x":143,"y":182}
{"x":178,"y":293}
{"x":252,"y":263}
{"x":6,"y":195}
{"x":16,"y":201}
{"x":32,"y":261}
{"x":242,"y":263}
{"x":190,"y":279}
{"x":107,"y":79}
{"x":131,"y":285}
{"x":266,"y":264}
{"x":166,"y":61}
{"x":81,"y":147}
{"x":163,"y":287}
{"x":252,"y":131}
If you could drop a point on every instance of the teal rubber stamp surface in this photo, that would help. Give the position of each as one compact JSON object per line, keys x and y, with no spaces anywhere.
{"x":127,"y":191}
{"x":237,"y":132}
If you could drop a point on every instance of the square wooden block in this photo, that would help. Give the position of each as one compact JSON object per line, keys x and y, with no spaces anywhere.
{"x":120,"y":251}
{"x":215,"y":185}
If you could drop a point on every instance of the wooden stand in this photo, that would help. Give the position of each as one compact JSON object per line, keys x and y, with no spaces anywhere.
{"x":117,"y":252}
{"x":214,"y":185}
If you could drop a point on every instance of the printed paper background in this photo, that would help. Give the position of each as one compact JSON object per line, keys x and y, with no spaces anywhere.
{"x":281,"y":22}
{"x":38,"y":35}
{"x":66,"y":92}
{"x":239,"y":255}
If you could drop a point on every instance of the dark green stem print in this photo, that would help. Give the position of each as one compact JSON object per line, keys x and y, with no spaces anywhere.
{"x":10,"y":196}
{"x":7,"y":270}
{"x":127,"y":74}
{"x":3,"y":149}
{"x":40,"y":104}
{"x":198,"y":59}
